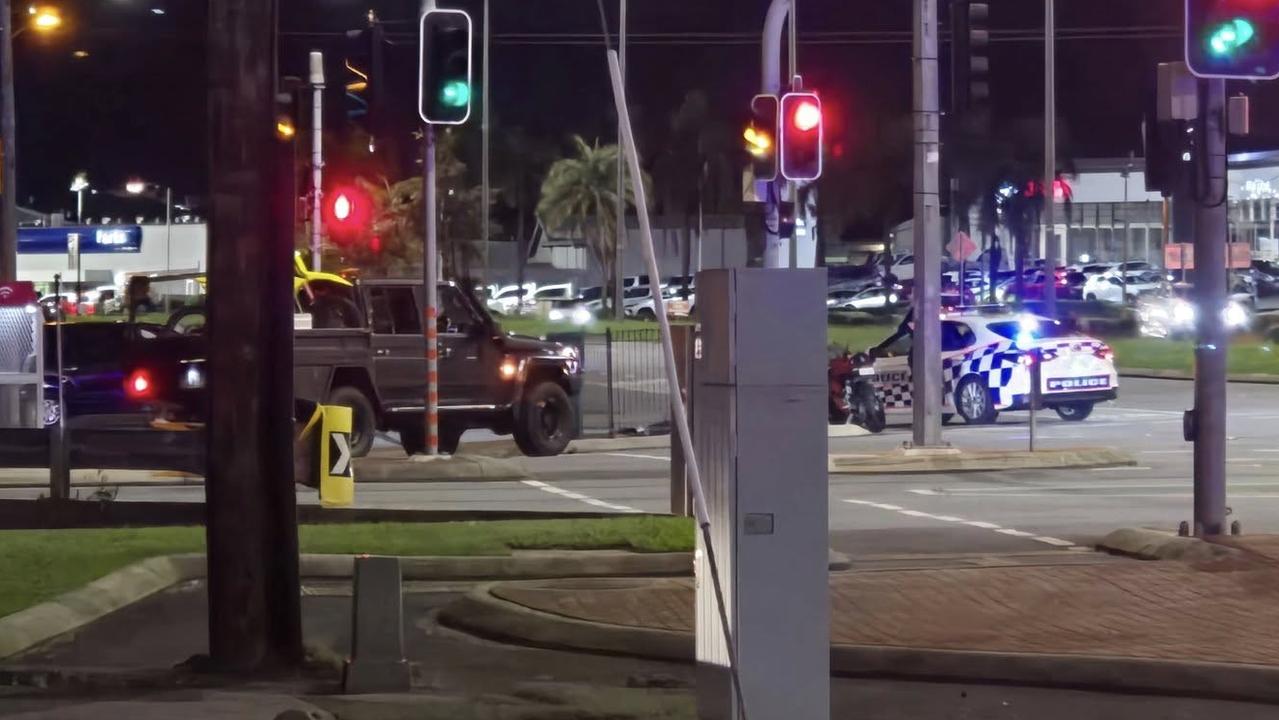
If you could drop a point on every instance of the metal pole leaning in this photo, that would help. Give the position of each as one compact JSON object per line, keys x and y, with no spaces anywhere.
{"x":317,"y":157}
{"x":677,"y":403}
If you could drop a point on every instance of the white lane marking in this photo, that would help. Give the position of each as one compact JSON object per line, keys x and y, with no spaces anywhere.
{"x":1154,"y":484}
{"x":1046,"y":539}
{"x":1054,"y":541}
{"x":547,"y":487}
{"x":1165,"y":452}
{"x":640,"y":456}
{"x":1267,"y":450}
{"x":1120,"y":468}
{"x":922,"y":491}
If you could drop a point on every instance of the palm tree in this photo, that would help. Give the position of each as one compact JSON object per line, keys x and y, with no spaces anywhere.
{"x":579,"y":196}
{"x":695,"y":170}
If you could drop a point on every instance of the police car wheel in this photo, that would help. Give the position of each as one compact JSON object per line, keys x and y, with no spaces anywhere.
{"x":1074,"y":412}
{"x":972,"y":400}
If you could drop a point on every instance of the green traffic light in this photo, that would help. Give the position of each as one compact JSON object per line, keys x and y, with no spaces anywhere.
{"x":1229,"y":37}
{"x":455,"y":93}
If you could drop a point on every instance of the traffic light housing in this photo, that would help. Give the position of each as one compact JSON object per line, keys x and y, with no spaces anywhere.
{"x":444,"y":60}
{"x":760,"y":137}
{"x":364,"y":80}
{"x":1233,"y":38}
{"x":970,"y":55}
{"x":801,"y":136}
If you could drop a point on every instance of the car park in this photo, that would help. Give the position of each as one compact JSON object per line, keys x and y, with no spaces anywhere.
{"x":986,"y":364}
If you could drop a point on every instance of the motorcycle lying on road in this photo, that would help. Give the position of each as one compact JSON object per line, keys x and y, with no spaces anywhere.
{"x":853,"y":400}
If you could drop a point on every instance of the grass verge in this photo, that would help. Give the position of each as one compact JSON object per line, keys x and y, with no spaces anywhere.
{"x":38,"y":565}
{"x":1247,"y":355}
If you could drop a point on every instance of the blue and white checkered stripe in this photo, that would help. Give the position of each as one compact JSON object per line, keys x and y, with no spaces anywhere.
{"x":988,"y":362}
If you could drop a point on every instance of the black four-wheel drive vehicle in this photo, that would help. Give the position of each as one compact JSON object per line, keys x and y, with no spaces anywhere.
{"x":488,"y":379}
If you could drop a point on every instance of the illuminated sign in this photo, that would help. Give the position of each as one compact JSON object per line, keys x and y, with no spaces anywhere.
{"x":92,"y":240}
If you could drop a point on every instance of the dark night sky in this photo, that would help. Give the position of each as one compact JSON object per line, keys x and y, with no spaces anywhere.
{"x":136,"y":107}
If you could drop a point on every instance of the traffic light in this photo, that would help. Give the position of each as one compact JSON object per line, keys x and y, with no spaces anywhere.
{"x":444,"y":61}
{"x":801,"y":132}
{"x":970,"y":54}
{"x":364,"y":81}
{"x":761,"y":137}
{"x":347,"y":214}
{"x":1233,"y":38}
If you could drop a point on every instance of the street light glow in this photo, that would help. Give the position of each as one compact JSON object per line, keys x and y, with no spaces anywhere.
{"x":45,"y":19}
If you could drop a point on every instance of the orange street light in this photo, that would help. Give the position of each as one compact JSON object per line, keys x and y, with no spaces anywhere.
{"x":45,"y":18}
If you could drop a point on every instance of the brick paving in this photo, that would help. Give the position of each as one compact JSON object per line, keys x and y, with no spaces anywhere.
{"x":1225,"y":612}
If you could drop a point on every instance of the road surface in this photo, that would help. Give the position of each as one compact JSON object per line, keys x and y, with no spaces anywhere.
{"x":1012,"y":511}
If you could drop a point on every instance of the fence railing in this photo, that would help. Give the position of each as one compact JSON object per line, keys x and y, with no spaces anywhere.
{"x":624,"y":387}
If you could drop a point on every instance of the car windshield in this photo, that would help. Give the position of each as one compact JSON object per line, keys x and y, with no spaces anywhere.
{"x":591,"y":293}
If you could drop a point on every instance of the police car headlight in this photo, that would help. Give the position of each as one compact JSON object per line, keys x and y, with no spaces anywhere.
{"x":555,"y":316}
{"x":192,"y":378}
{"x":1236,"y":316}
{"x":1183,"y":313}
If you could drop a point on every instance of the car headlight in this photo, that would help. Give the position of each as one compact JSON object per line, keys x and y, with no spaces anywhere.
{"x":1236,"y":316}
{"x":1183,"y":313}
{"x":555,"y":315}
{"x":582,"y":316}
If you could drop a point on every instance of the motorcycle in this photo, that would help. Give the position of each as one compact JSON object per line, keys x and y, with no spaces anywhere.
{"x":853,"y":400}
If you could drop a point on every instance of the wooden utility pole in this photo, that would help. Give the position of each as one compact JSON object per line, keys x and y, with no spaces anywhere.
{"x":254,"y":594}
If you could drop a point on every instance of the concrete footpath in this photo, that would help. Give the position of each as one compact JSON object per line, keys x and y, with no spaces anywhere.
{"x":1209,"y":627}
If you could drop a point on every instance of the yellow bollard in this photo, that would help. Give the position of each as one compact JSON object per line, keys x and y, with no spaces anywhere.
{"x":335,"y":468}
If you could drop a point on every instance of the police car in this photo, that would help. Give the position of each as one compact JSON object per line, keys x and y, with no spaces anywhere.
{"x":987,"y":360}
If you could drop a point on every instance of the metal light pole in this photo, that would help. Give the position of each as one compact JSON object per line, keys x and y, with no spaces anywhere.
{"x":1123,"y":276}
{"x":926,"y":369}
{"x":484,"y":140}
{"x":775,"y":252}
{"x":1211,"y":220}
{"x":317,"y":159}
{"x":619,"y":272}
{"x":1050,"y":158}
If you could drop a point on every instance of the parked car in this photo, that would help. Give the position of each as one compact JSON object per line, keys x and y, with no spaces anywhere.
{"x":1108,"y":287}
{"x":871,"y":298}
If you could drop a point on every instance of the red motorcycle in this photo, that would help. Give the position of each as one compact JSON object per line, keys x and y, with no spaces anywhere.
{"x":853,"y":400}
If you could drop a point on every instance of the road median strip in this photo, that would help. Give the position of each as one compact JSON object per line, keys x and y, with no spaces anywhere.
{"x":906,"y":460}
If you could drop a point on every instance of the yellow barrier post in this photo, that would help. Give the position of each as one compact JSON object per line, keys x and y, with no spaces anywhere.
{"x":335,"y":468}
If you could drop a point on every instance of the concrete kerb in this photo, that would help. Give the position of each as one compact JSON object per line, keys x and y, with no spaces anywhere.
{"x":445,"y":469}
{"x":1147,"y":544}
{"x":30,"y":627}
{"x":908,"y":461}
{"x":483,"y":614}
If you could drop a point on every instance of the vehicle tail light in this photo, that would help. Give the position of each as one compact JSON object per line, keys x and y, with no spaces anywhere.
{"x":139,"y":385}
{"x":1105,"y":352}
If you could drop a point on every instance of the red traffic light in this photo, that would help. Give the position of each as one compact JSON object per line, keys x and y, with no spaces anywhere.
{"x":807,"y":116}
{"x":801,"y":141}
{"x":348,"y":213}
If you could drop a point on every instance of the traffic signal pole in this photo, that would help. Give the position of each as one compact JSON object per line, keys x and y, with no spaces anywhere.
{"x":926,"y":371}
{"x":8,"y":151}
{"x":1211,"y":218}
{"x":776,"y":248}
{"x":430,"y":284}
